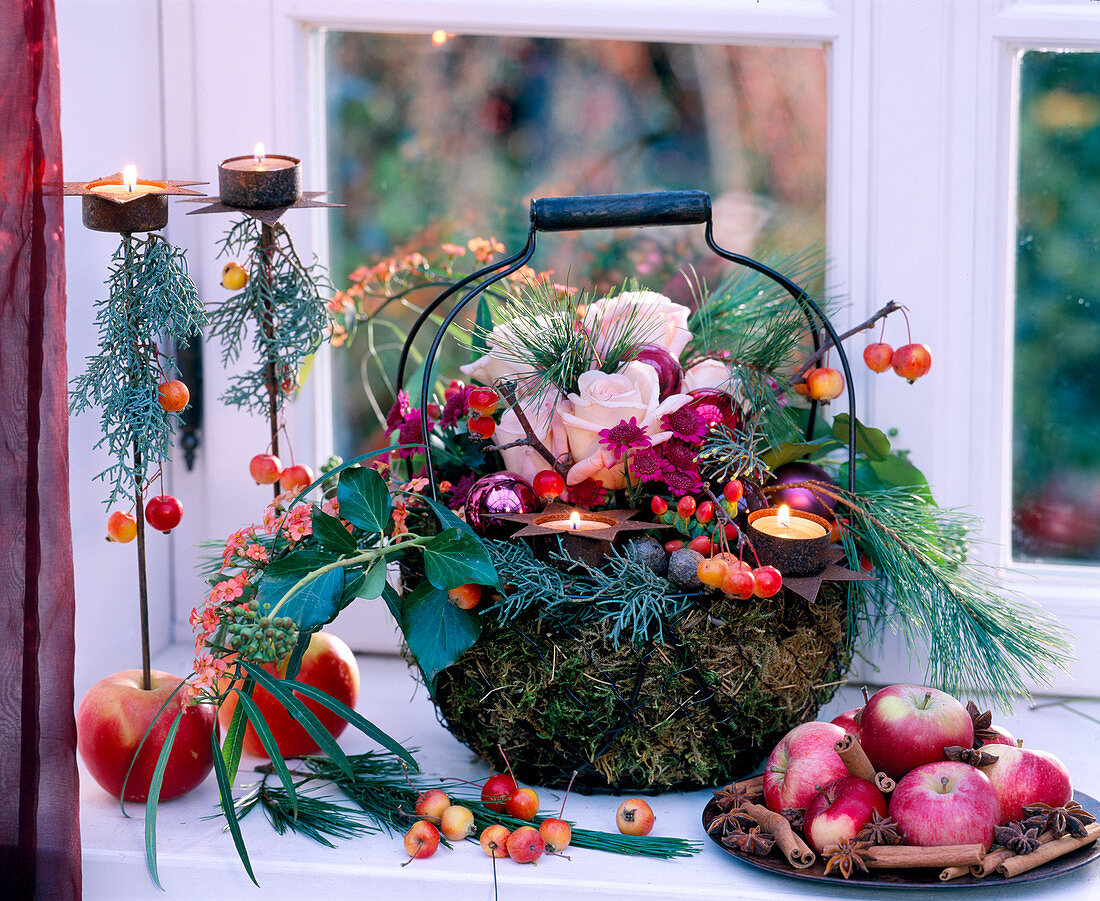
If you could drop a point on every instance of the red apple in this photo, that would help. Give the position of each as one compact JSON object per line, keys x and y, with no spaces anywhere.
{"x":840,"y":810}
{"x":945,"y":803}
{"x":804,"y":759}
{"x":849,"y":721}
{"x":112,"y":719}
{"x":328,"y":664}
{"x":904,"y":726}
{"x":1023,"y":776}
{"x":1002,"y":737}
{"x":496,"y":791}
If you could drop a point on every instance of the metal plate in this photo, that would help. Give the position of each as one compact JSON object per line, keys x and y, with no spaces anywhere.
{"x":922,"y":878}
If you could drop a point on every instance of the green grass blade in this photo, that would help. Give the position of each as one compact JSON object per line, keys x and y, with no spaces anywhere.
{"x":267,"y":739}
{"x":357,"y":720}
{"x":141,"y":745}
{"x":234,"y":736}
{"x":154,"y":798}
{"x":285,"y":695}
{"x":225,"y":791}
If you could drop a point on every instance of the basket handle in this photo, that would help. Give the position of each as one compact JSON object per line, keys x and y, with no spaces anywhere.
{"x":559,"y":214}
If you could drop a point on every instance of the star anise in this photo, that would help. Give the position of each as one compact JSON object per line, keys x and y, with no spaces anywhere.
{"x":733,"y":796}
{"x":972,"y":756}
{"x":1072,"y":818}
{"x":982,"y":723}
{"x":847,"y":856}
{"x":796,"y":816}
{"x":754,"y":842}
{"x":729,"y":821}
{"x":1018,"y":837}
{"x":880,"y":831}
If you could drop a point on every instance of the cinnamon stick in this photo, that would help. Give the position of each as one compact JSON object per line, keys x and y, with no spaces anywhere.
{"x":946,"y":875}
{"x":796,"y":851}
{"x":1052,"y":850}
{"x":855,"y":758}
{"x":995,"y":858}
{"x":884,"y":783}
{"x":903,"y":857}
{"x":753,"y":786}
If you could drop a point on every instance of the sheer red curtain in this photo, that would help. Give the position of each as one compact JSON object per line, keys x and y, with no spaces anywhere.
{"x":39,"y":827}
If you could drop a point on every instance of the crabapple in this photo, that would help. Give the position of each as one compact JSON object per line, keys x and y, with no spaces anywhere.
{"x":465,"y":597}
{"x":432,"y":803}
{"x":482,"y":400}
{"x":455,"y":387}
{"x":525,"y":845}
{"x":711,"y":572}
{"x":635,"y":817}
{"x":481,"y":426}
{"x":296,"y":478}
{"x":173,"y":395}
{"x":265,"y":469}
{"x":548,"y":484}
{"x":878,"y":356}
{"x":497,"y":790}
{"x":494,"y":840}
{"x":457,"y":823}
{"x":911,"y":361}
{"x":523,"y":804}
{"x":421,"y":841}
{"x":164,"y":512}
{"x":768,"y":581}
{"x":739,"y":583}
{"x":824,"y":384}
{"x":556,"y":834}
{"x":121,"y":527}
{"x":234,"y":276}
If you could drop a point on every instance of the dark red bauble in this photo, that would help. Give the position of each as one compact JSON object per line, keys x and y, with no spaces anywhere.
{"x":802,"y":498}
{"x":716,"y":406}
{"x":670,"y":375}
{"x":499,"y":492}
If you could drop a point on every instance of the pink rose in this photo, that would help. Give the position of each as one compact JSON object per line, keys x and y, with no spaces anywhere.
{"x":603,"y":401}
{"x":503,"y":361}
{"x":653,"y":317}
{"x":708,"y":374}
{"x":545,"y":418}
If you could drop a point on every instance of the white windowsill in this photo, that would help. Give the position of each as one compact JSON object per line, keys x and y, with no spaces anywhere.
{"x":197,"y":858}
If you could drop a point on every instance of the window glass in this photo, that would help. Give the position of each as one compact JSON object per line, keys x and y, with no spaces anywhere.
{"x":434,"y":140}
{"x":1056,"y":399}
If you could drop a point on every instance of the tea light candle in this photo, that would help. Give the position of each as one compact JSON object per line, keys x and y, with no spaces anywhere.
{"x":125,"y":206}
{"x":574,"y":523}
{"x":126,"y":190}
{"x":781,"y":525}
{"x":260,"y":181}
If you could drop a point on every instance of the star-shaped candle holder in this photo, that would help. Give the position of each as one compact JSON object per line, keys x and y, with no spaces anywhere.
{"x":124,"y":204}
{"x":586,"y":536}
{"x":808,"y":586}
{"x":269,"y":217}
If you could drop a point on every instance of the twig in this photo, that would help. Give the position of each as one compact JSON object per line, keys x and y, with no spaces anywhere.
{"x":891,"y":307}
{"x":509,"y":393}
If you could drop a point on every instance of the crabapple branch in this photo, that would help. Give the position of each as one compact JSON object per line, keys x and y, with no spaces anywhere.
{"x":507,"y":390}
{"x":891,"y":307}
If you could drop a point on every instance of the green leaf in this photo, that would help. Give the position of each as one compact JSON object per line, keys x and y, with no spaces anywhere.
{"x":234,"y":736}
{"x":898,"y":472}
{"x":284,"y":694}
{"x":358,"y":721}
{"x":787,"y":453}
{"x":453,"y":558}
{"x":364,"y":499}
{"x":256,"y":717}
{"x":393,"y":601}
{"x":154,"y":798}
{"x":225,"y":792}
{"x":478,"y":345}
{"x":374,"y":581}
{"x":436,"y":631}
{"x":301,"y":645}
{"x":448,"y":519}
{"x":869,"y":441}
{"x":312,"y":604}
{"x":332,"y":534}
{"x":298,"y":563}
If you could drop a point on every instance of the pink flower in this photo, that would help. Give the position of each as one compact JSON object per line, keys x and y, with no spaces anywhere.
{"x":685,"y":424}
{"x":588,"y":494}
{"x":398,"y":412}
{"x":708,"y":374}
{"x":299,"y":522}
{"x":624,"y":436}
{"x":453,"y":250}
{"x":645,"y":465}
{"x":652,"y":316}
{"x":411,"y":432}
{"x":208,"y":672}
{"x":257,"y":553}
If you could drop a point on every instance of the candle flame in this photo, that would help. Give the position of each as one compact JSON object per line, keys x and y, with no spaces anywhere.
{"x":783,"y":517}
{"x":129,"y":178}
{"x":259,"y":153}
{"x":439,"y":37}
{"x":574,"y":519}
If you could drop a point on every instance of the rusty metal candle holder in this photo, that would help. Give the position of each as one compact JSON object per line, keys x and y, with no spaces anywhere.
{"x":107,"y":205}
{"x":792,"y":556}
{"x":260,"y":182}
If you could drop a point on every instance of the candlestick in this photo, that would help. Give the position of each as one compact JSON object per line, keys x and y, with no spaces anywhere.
{"x":260,"y":181}
{"x":793,"y":541}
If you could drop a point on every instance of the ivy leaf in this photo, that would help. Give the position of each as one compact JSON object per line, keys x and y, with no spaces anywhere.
{"x":869,"y":441}
{"x":364,"y":499}
{"x":331,"y":533}
{"x":787,"y":453}
{"x":448,"y":519}
{"x":374,"y":582}
{"x":454,"y":558}
{"x":297,"y":564}
{"x":394,"y":602}
{"x":313,"y":604}
{"x":436,"y":631}
{"x":898,"y":472}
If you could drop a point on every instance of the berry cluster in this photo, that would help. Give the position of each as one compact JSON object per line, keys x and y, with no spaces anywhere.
{"x":257,"y":635}
{"x":267,"y":469}
{"x":482,"y":403}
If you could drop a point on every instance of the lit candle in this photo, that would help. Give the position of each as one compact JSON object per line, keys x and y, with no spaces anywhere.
{"x":574,"y":523}
{"x":126,"y":190}
{"x":781,"y":525}
{"x":259,"y":161}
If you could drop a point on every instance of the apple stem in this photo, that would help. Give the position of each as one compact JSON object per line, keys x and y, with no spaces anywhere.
{"x":866,"y":696}
{"x":561,"y":813}
{"x":507,"y":764}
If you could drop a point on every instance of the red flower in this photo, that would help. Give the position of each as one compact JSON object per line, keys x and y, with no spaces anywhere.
{"x":453,"y":410}
{"x":411,"y":433}
{"x":398,"y":412}
{"x":645,"y":465}
{"x":588,"y":493}
{"x":685,"y":424}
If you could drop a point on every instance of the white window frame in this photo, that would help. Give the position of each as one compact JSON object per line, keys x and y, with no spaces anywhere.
{"x":920,"y":204}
